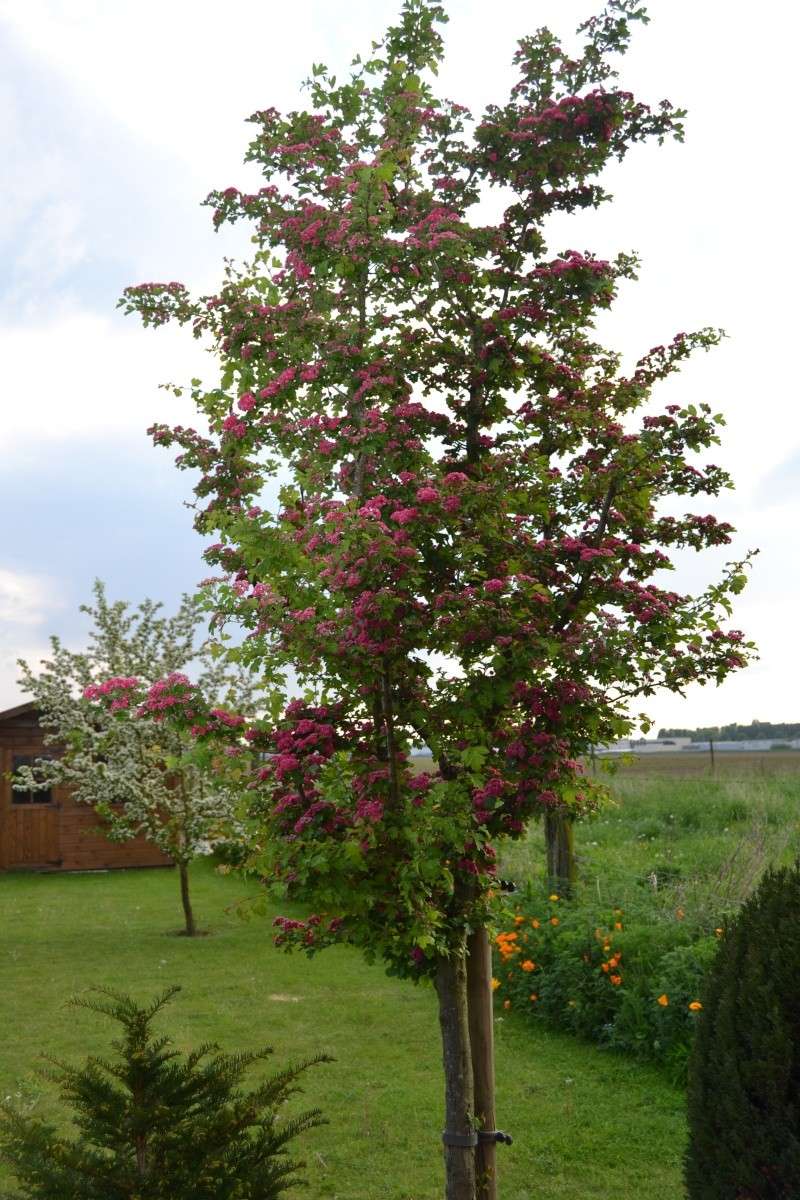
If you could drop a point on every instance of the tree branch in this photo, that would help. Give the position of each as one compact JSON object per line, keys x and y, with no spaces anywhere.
{"x":586,"y":572}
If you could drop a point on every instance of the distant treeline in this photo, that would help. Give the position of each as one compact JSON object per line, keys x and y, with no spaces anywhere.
{"x":736,"y":733}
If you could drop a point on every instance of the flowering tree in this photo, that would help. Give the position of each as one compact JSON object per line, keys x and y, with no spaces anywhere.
{"x":469,"y":549}
{"x":141,"y":777}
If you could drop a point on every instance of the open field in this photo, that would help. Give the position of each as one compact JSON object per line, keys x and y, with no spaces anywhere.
{"x":667,"y":842}
{"x":587,"y":1123}
{"x":727,"y":764}
{"x":704,"y":836}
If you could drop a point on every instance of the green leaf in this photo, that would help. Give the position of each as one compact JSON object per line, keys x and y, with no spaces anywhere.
{"x":474,"y":757}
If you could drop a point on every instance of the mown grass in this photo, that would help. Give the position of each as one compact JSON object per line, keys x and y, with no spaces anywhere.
{"x":586,"y":1123}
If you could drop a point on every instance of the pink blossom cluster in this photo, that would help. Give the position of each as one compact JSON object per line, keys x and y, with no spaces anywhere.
{"x":419,"y":786}
{"x":121,"y":683}
{"x":593,"y":113}
{"x":573,"y":260}
{"x":433,"y":229}
{"x":231,"y":720}
{"x":278,"y":384}
{"x":174,"y":691}
{"x":121,"y":689}
{"x":233,"y":425}
{"x":314,"y":931}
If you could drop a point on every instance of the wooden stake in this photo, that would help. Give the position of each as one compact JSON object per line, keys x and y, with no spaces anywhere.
{"x":481,"y":1036}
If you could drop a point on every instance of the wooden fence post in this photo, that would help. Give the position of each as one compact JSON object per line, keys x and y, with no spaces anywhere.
{"x":562,"y":869}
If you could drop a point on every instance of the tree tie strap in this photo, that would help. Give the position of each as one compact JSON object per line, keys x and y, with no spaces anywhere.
{"x":466,"y":1140}
{"x":495,"y":1135}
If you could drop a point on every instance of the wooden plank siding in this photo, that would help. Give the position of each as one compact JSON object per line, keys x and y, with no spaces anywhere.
{"x":61,"y":835}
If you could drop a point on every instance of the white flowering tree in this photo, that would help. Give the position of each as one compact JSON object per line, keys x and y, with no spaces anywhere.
{"x":141,"y":777}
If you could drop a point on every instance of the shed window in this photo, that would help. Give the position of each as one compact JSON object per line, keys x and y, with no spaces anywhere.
{"x":28,"y":797}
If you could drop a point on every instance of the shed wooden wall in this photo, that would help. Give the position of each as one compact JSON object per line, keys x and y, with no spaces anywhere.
{"x":63,"y":835}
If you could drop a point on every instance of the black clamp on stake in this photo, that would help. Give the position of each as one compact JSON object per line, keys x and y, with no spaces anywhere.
{"x":465,"y":1140}
{"x":495,"y":1135}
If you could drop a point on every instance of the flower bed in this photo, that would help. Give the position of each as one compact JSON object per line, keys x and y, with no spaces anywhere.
{"x":626,"y":981}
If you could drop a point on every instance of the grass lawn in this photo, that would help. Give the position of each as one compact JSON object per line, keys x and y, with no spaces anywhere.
{"x":586,"y":1123}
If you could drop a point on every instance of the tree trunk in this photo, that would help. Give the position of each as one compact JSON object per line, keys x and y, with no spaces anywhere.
{"x":481,"y":1039}
{"x":190,"y":928}
{"x":451,"y":988}
{"x":559,"y":832}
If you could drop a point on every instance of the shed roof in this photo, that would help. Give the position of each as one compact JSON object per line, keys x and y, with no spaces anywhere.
{"x":18,"y":711}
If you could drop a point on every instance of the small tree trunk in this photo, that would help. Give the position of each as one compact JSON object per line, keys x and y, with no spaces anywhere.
{"x":451,"y":988}
{"x":140,"y":1143}
{"x":559,"y":832}
{"x":481,"y":1039}
{"x":190,"y":928}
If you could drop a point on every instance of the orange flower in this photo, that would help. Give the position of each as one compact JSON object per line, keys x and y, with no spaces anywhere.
{"x":506,"y":1004}
{"x":554,"y":920}
{"x":518,"y":919}
{"x":534,"y":997}
{"x":535,"y":923}
{"x":495,"y":984}
{"x":679,"y":914}
{"x":605,"y":967}
{"x":528,"y":965}
{"x":695,"y":1006}
{"x":505,"y":944}
{"x":618,"y":924}
{"x":616,"y":980}
{"x":663,"y":1000}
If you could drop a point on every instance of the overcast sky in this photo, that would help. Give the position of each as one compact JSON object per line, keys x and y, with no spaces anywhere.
{"x":116,"y":119}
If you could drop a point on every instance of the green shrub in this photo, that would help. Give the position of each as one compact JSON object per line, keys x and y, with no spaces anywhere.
{"x":744,"y":1073}
{"x":153,"y":1125}
{"x":230,"y":851}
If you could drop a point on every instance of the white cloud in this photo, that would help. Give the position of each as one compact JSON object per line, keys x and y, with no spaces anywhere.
{"x":55,"y":246}
{"x":175,"y":75}
{"x":26,"y":603}
{"x":84,"y":375}
{"x":24,"y":598}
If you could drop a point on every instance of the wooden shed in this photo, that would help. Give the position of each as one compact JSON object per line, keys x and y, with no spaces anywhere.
{"x":49,"y":831}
